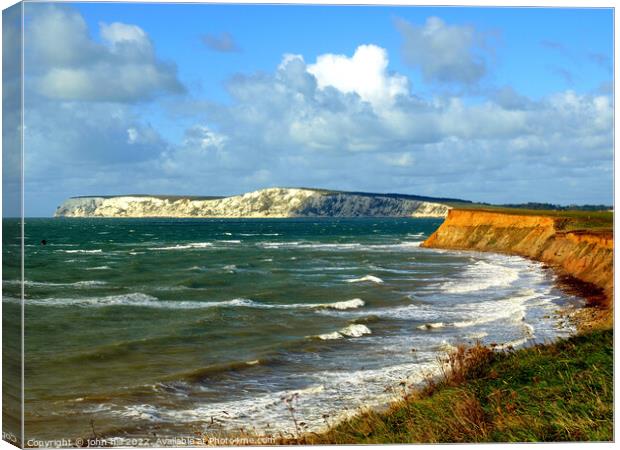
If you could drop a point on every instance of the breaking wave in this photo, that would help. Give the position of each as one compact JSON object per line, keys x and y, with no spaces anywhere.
{"x":184,"y":247}
{"x":351,"y":331}
{"x":140,"y":299}
{"x":366,"y":278}
{"x":480,"y":276}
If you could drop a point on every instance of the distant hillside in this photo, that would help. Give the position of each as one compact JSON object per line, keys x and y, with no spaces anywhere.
{"x":421,"y":198}
{"x":274,"y":202}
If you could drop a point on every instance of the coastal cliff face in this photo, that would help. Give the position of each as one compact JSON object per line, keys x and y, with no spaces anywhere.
{"x":585,"y":255}
{"x":276,"y":202}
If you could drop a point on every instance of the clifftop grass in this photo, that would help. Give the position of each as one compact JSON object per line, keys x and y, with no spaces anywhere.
{"x":555,"y":392}
{"x":574,"y":220}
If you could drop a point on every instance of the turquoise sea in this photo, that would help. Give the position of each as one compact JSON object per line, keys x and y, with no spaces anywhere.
{"x":168,"y":327}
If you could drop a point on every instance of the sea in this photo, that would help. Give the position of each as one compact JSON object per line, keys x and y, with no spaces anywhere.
{"x":174,"y":327}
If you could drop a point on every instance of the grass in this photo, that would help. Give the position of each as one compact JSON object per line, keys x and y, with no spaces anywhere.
{"x":555,"y":392}
{"x":575,"y":220}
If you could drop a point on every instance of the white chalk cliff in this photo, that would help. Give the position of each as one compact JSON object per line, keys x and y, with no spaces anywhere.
{"x":274,"y":202}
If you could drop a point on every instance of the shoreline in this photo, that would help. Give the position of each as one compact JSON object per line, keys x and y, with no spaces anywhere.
{"x":581,"y":257}
{"x":592,"y":315}
{"x":595,"y":316}
{"x":580,"y":316}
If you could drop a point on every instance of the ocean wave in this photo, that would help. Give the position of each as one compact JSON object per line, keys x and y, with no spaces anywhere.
{"x":184,"y":247}
{"x":55,"y":284}
{"x":355,"y":330}
{"x":388,"y":270}
{"x":139,"y":299}
{"x":226,"y":411}
{"x":276,"y":245}
{"x":350,"y":246}
{"x":401,"y":246}
{"x":98,"y":268}
{"x":480,"y":276}
{"x":479,"y":335}
{"x":512,"y":308}
{"x":89,"y":283}
{"x":230,"y":241}
{"x":418,"y":235}
{"x":329,"y":336}
{"x":202,"y":373}
{"x":512,"y":344}
{"x":347,"y":304}
{"x":352,"y":331}
{"x":134,"y":299}
{"x":430,"y":326}
{"x":81,"y":251}
{"x":366,"y":278}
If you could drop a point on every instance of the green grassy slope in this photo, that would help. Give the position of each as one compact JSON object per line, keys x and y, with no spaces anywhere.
{"x":555,"y":392}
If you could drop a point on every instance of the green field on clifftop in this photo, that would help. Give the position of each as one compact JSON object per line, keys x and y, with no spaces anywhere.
{"x":576,"y":220}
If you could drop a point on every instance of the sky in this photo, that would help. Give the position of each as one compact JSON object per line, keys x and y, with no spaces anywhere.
{"x":501,"y":105}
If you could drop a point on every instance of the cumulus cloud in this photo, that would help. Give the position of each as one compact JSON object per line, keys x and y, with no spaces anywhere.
{"x":223,"y":43}
{"x":365,"y":73}
{"x":443,"y":53}
{"x":301,"y":125}
{"x":341,"y":122}
{"x":64,"y":63}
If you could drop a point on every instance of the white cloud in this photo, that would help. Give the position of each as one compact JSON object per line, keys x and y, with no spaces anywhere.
{"x":299,"y":130}
{"x":342,"y":122}
{"x":365,"y":73}
{"x":118,"y":33}
{"x":64,"y":63}
{"x":444,"y":53}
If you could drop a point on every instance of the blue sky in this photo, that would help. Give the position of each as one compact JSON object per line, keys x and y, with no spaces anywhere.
{"x":488,"y":104}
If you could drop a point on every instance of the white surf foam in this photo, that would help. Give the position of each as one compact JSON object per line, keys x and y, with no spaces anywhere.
{"x":81,"y":251}
{"x":50,"y":283}
{"x":355,"y":330}
{"x":330,"y":336}
{"x":347,"y":304}
{"x":512,"y":344}
{"x":98,"y":268}
{"x":480,"y":276}
{"x":366,"y":278}
{"x":184,"y":247}
{"x":143,"y":300}
{"x":351,"y":331}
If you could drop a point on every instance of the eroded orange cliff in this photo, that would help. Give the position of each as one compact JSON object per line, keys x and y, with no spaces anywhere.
{"x":584,"y":254}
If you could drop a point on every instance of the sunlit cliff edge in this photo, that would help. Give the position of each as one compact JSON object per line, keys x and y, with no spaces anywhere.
{"x":273,"y":202}
{"x":581,"y":252}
